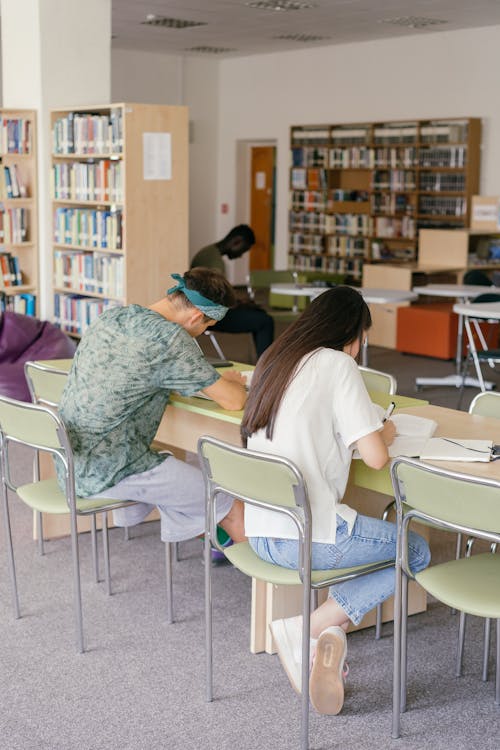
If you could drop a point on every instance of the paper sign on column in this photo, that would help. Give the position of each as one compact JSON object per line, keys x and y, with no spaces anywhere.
{"x":157,"y":156}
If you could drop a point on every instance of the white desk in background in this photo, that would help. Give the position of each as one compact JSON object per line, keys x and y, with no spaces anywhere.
{"x":369,"y":294}
{"x":485,"y":311}
{"x":463,"y":293}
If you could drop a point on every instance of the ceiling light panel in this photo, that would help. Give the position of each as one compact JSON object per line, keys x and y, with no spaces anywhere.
{"x":170,"y":23}
{"x":413,"y":22}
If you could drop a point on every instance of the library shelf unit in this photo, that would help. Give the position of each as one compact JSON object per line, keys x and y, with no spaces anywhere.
{"x":18,"y":211}
{"x":119,"y":182}
{"x":361,"y":192}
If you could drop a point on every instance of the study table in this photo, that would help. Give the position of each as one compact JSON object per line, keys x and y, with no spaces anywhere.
{"x":371,"y":295}
{"x":475,"y":310}
{"x":462,"y":293}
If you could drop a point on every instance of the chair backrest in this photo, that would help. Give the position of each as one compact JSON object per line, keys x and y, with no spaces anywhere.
{"x":458,"y":501}
{"x":487,"y":297}
{"x":45,"y":384}
{"x":486,"y":404}
{"x":32,"y":425}
{"x":477,"y":277}
{"x":262,"y":279}
{"x":376,"y":380}
{"x":267,"y":480}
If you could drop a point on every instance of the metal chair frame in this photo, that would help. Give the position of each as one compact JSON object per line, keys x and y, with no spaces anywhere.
{"x":298,"y":510}
{"x":46,"y":384}
{"x":57,"y":444}
{"x":388,"y":380}
{"x":404,"y":573}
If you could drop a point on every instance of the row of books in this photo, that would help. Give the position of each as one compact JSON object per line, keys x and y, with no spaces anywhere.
{"x":394,"y":179}
{"x":310,"y":157}
{"x":83,"y":181}
{"x":86,"y":227}
{"x":89,"y":272}
{"x":442,"y":206}
{"x":442,"y":181}
{"x":312,"y":178}
{"x":341,"y":245}
{"x":309,"y":200}
{"x":25,"y":304}
{"x":452,"y":156}
{"x":14,"y":225}
{"x":11,"y":183}
{"x":349,"y":267}
{"x":392,"y":203}
{"x":349,"y":224}
{"x":74,"y":313}
{"x":395,"y":227}
{"x":10,"y":270}
{"x":88,"y":133}
{"x":387,"y":134}
{"x":311,"y":243}
{"x":356,"y":157}
{"x":15,"y":135}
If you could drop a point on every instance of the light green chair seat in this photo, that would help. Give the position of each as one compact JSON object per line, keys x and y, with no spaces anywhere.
{"x":471,"y":584}
{"x":244,"y":558}
{"x":45,"y":496}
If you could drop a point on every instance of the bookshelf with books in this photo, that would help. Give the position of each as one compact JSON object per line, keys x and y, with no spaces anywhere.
{"x":361,"y":192}
{"x":119,"y":183}
{"x":18,"y":211}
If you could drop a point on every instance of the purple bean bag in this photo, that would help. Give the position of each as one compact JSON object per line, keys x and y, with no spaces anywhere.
{"x":24,"y":338}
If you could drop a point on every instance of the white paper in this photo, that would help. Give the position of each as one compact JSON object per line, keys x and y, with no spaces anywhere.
{"x":456,"y":449}
{"x":412,"y":433}
{"x":157,"y":156}
{"x":260,"y":180}
{"x":246,"y":373}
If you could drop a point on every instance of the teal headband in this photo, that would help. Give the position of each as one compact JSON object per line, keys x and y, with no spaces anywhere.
{"x":207,"y":306}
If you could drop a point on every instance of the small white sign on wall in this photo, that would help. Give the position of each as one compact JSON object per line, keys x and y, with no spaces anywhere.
{"x":157,"y":156}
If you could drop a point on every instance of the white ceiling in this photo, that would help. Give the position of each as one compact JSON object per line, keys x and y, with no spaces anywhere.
{"x":237,"y":29}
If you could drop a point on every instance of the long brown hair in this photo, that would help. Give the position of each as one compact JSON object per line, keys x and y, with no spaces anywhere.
{"x":335,"y":319}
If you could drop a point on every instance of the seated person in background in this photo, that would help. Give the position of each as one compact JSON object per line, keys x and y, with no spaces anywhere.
{"x":308,"y":402}
{"x":127,"y":364}
{"x":246,"y":316}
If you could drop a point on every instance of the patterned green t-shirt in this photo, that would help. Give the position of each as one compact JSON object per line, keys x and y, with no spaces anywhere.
{"x":124,"y":369}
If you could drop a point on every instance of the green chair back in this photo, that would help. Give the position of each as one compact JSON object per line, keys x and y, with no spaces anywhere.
{"x":457,"y":499}
{"x":486,"y":404}
{"x":269,"y":480}
{"x":35,"y":426}
{"x":376,"y":380}
{"x":46,"y":384}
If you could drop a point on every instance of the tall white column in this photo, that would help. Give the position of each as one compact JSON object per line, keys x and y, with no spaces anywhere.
{"x":55,"y":54}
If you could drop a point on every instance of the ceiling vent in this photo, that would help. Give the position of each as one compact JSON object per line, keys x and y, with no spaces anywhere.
{"x":210,"y":50}
{"x":170,"y":23}
{"x":279,"y":5}
{"x":301,"y":37}
{"x":413,"y":22}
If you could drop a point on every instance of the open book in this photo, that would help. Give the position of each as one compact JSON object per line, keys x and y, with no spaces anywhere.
{"x":412,"y":433}
{"x":457,"y":449}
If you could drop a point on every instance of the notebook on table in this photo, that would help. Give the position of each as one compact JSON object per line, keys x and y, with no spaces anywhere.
{"x":412,"y":433}
{"x":457,"y":449}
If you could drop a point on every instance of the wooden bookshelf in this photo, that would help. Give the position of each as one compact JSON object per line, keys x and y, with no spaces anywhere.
{"x":18,"y":210}
{"x":361,"y":192}
{"x":119,"y":182}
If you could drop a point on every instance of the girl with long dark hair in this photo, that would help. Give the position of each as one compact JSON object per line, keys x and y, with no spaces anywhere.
{"x":308,"y":402}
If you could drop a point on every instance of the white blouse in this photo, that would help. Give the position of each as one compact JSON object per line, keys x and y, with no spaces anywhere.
{"x":325,"y":410}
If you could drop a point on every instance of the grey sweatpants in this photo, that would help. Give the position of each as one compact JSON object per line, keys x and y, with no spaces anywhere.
{"x":174,"y":487}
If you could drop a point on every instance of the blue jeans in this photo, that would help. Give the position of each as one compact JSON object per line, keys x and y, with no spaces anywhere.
{"x":371,"y":540}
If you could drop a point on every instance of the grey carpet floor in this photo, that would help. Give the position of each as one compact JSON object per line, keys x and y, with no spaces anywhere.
{"x":140,"y":685}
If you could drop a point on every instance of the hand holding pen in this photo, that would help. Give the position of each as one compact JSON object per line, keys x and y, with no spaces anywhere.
{"x":389,"y":411}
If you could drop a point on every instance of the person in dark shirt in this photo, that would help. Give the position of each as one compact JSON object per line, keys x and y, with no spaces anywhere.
{"x":246,"y":316}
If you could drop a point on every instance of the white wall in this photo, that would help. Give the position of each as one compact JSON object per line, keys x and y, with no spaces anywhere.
{"x":153,"y":78}
{"x":432,"y":75}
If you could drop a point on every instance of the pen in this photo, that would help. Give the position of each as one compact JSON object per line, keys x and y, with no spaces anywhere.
{"x":389,"y":411}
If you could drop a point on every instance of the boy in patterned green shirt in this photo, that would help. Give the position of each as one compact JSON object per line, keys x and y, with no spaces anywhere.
{"x":124,"y":370}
